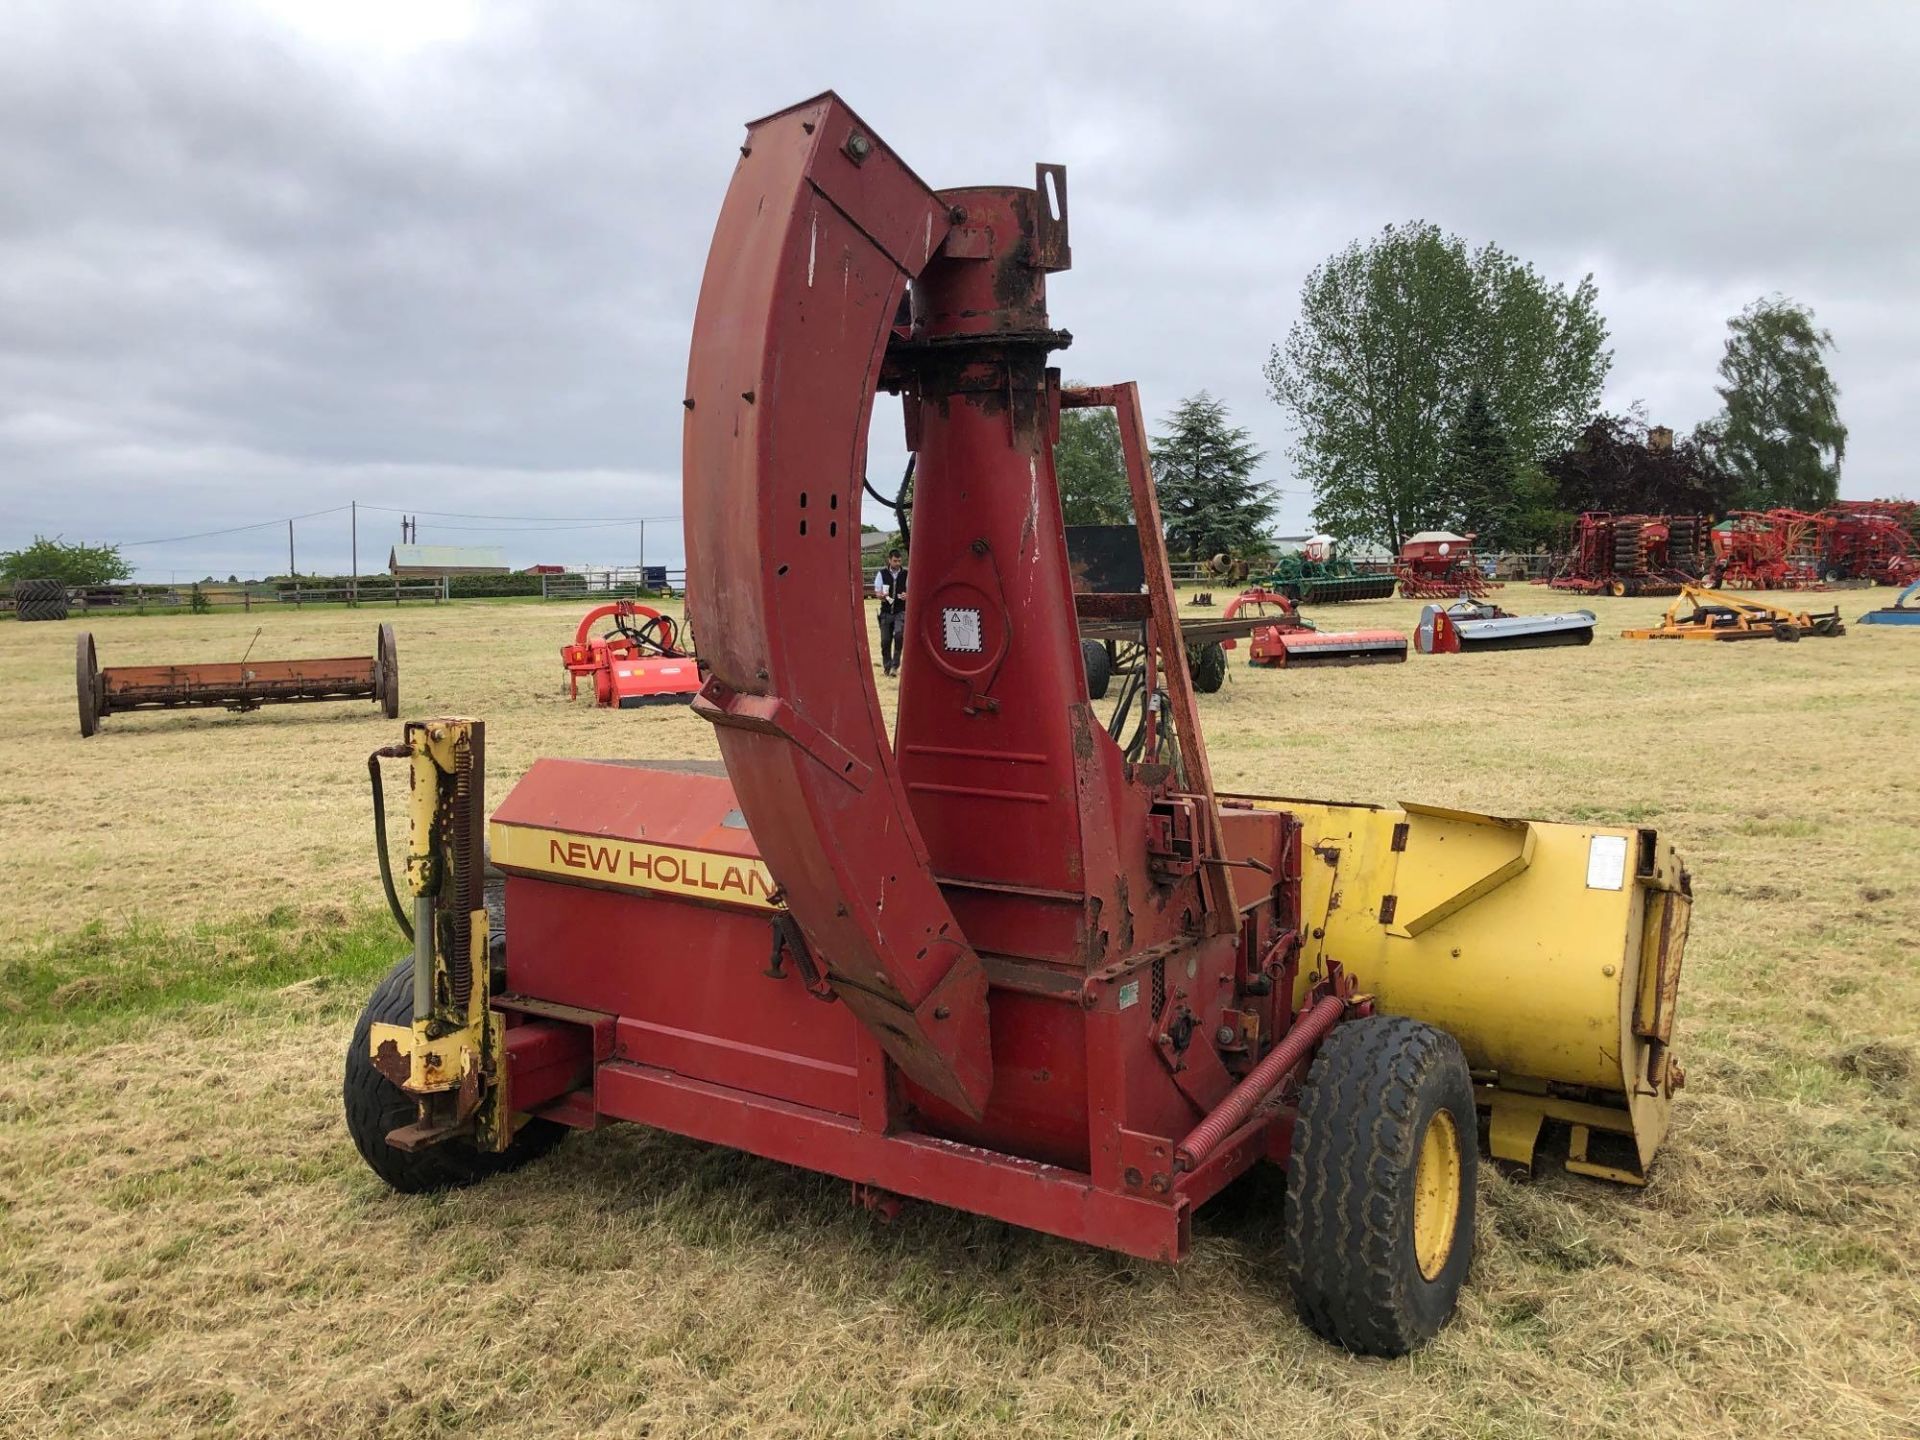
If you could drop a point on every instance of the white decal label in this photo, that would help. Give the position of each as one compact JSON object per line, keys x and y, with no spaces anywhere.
{"x":1607,"y":862}
{"x":1129,"y":994}
{"x":960,"y":629}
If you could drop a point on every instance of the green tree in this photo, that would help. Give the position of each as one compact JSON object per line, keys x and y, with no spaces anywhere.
{"x":1480,"y":481}
{"x":1393,"y":338}
{"x":1203,"y":470}
{"x":1092,"y":469}
{"x":1779,"y":437}
{"x":72,"y":564}
{"x":1618,"y":463}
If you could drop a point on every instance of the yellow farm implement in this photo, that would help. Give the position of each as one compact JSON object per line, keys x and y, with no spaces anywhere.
{"x":1698,"y":613}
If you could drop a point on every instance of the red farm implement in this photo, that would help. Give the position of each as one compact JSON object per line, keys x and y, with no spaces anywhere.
{"x":1766,"y":550}
{"x":1005,"y":954}
{"x":640,"y":661}
{"x":1869,"y":540}
{"x":238,"y":685}
{"x":1634,"y":554}
{"x":1286,"y":640}
{"x":1438,"y":565}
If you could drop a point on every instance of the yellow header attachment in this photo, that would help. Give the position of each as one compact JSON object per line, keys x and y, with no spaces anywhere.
{"x":1551,"y":952}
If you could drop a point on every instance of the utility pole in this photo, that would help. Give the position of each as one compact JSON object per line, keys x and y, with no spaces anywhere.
{"x":643,"y":554}
{"x":353,"y":585}
{"x":291,"y":572}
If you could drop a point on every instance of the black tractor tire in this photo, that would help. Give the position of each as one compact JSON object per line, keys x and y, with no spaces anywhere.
{"x":1099,"y":666}
{"x":376,"y":1107}
{"x":1207,"y":664}
{"x":1786,"y":630}
{"x":39,"y":600}
{"x":1360,"y":1194}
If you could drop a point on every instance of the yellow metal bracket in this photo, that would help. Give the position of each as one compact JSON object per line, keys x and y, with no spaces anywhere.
{"x":451,"y":1058}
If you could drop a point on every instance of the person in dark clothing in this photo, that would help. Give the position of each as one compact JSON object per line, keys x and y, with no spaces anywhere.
{"x":890,"y":585}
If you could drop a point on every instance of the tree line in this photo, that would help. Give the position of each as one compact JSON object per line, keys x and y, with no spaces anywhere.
{"x":1432,"y":386}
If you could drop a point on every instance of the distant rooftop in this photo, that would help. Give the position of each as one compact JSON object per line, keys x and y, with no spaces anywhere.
{"x":448,"y":560}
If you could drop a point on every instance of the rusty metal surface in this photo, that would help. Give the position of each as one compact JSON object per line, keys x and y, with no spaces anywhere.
{"x":236,"y":685}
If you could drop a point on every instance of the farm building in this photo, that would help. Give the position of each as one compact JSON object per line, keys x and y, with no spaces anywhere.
{"x":432,"y":561}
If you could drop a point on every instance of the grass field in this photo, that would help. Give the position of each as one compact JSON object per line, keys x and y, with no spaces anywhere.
{"x":189,"y":1245}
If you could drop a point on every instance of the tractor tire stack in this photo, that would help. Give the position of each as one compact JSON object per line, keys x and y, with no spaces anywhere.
{"x":1683,"y":544}
{"x":40,"y":599}
{"x":1626,"y":548}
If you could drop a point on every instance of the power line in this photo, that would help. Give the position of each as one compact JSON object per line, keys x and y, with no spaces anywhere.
{"x":519,"y":524}
{"x":524,"y":519}
{"x":549,"y":529}
{"x":235,"y":529}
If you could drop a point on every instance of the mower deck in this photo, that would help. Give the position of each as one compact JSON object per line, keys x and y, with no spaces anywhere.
{"x":1702,"y":614}
{"x":1468,"y":628}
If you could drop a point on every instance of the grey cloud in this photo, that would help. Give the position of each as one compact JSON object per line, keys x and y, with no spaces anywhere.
{"x":247,"y":270}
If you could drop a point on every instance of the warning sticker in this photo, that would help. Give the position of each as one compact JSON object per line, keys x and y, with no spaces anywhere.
{"x":960,"y":629}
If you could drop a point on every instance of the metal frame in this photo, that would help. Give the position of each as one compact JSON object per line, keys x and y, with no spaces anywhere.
{"x":239,"y":686}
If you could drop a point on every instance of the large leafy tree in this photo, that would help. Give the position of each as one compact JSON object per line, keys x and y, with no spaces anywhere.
{"x":1619,"y":464}
{"x":1092,"y":469}
{"x":1780,"y":435}
{"x":70,"y":563}
{"x":1393,"y":338}
{"x":1203,"y":468}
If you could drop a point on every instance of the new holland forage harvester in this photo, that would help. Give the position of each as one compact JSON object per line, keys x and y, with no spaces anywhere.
{"x":992,"y":962}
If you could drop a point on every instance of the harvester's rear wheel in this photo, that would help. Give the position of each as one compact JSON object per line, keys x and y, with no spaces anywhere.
{"x":1099,"y":665}
{"x":386,"y":672}
{"x":376,"y":1107}
{"x":1380,"y":1188}
{"x":1207,"y":664}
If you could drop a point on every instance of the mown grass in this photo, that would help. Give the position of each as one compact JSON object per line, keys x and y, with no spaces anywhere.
{"x":188,"y":1244}
{"x":78,"y":986}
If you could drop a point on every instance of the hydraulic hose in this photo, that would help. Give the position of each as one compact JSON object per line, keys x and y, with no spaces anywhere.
{"x":397,"y":752}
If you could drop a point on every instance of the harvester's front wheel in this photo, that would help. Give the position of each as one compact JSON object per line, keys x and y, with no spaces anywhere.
{"x":376,"y":1107}
{"x":1380,"y":1187}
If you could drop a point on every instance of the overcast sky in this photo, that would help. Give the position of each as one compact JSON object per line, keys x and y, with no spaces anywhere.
{"x":261,"y":260}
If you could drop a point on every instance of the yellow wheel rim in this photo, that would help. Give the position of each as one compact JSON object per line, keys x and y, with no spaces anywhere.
{"x":1436,"y":1194}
